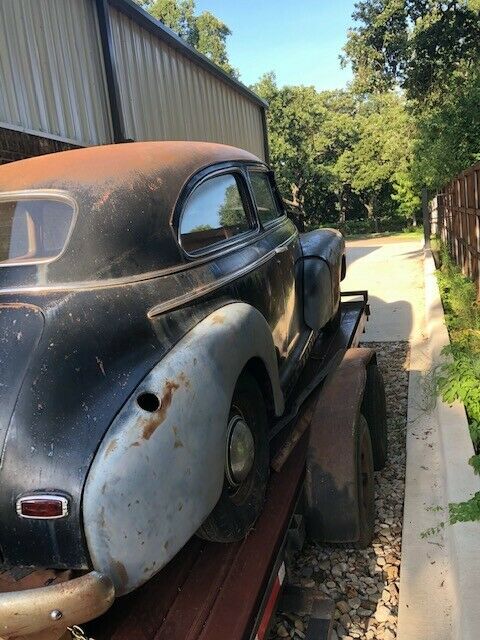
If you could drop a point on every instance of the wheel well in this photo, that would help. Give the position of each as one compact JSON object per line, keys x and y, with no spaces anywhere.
{"x":256,"y":367}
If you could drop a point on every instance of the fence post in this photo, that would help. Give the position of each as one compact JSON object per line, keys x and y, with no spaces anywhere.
{"x":440,"y":214}
{"x":426,"y":218}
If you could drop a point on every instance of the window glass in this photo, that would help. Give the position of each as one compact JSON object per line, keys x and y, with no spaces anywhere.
{"x":33,"y":230}
{"x":213,"y":213}
{"x":264,"y":198}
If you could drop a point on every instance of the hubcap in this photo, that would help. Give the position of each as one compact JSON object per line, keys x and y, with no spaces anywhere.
{"x":240,"y":451}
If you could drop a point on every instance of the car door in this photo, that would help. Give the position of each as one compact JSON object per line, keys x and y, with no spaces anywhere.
{"x":288,"y":263}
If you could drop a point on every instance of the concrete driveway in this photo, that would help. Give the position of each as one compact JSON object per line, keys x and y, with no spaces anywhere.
{"x":391,"y":268}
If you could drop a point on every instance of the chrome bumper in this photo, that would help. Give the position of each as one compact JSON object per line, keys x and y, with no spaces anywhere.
{"x":56,"y":607}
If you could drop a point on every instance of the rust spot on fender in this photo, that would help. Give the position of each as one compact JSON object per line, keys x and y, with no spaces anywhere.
{"x":218,"y":318}
{"x":111,"y":447}
{"x":150,"y":425}
{"x":184,"y":380}
{"x":178,"y":443}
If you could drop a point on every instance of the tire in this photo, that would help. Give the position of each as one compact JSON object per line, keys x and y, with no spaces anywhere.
{"x":374,"y":409}
{"x":366,"y":485}
{"x":241,"y":501}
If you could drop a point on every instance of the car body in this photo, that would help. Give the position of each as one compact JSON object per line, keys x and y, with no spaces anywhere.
{"x":131,"y":274}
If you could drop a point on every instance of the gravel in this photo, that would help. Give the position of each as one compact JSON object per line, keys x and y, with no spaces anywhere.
{"x":364,"y":583}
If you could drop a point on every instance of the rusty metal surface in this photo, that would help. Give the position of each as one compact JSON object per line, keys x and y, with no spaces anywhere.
{"x":156,"y":476}
{"x":25,"y":612}
{"x":51,"y":70}
{"x":98,"y":344}
{"x":210,"y":591}
{"x":162,"y":165}
{"x":125,"y":195}
{"x":331,"y":477}
{"x":458,"y":221}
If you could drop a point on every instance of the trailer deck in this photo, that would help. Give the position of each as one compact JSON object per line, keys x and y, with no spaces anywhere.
{"x":216,"y":591}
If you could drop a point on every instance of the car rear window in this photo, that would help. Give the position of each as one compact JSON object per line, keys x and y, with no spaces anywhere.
{"x":33,"y":230}
{"x":214,"y":213}
{"x":265,"y":200}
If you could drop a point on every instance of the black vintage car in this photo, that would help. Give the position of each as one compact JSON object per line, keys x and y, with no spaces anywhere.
{"x":156,"y":304}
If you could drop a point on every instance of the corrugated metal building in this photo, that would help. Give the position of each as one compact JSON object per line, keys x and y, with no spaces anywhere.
{"x":86,"y":72}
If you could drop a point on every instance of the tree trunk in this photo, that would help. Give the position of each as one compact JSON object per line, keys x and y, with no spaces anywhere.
{"x":341,"y":206}
{"x":298,"y":201}
{"x":369,"y":206}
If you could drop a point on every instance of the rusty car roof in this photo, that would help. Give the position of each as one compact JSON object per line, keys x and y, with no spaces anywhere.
{"x":125,"y":194}
{"x":116,"y":164}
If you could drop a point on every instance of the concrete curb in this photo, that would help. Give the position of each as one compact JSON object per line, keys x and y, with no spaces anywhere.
{"x":459,"y":480}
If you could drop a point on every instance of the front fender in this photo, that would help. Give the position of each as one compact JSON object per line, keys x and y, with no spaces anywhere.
{"x":157,"y":476}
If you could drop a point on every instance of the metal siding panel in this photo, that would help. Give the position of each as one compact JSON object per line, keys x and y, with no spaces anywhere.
{"x":59,"y":88}
{"x":174,"y":98}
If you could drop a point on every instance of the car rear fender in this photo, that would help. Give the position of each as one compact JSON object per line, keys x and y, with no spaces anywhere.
{"x":157,"y":475}
{"x":323,"y":257}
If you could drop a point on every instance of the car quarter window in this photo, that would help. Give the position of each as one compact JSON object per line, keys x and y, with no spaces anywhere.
{"x":267,"y":207}
{"x":214,"y":212}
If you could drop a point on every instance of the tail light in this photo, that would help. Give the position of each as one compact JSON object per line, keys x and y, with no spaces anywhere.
{"x":42,"y":507}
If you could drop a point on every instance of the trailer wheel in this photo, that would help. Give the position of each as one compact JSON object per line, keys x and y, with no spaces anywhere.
{"x":246,"y":466}
{"x":366,"y":485}
{"x":374,"y":409}
{"x":343,"y":515}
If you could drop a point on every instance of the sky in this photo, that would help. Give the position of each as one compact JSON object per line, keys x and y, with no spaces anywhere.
{"x":300,"y":40}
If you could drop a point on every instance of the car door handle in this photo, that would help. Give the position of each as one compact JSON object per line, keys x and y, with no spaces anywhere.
{"x":281,"y":249}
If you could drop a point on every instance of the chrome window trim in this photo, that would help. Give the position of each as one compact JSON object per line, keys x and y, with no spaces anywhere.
{"x":150,"y":275}
{"x":209,"y":287}
{"x":249,"y":213}
{"x":283,"y":215}
{"x":42,"y":194}
{"x":42,"y":496}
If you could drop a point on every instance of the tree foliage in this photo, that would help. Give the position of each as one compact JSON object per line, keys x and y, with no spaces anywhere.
{"x":205,"y":32}
{"x":413,"y":43}
{"x":430,"y":50}
{"x":338,"y":155}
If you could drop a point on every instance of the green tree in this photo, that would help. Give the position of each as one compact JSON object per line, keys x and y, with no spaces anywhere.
{"x":430,"y":49}
{"x":205,"y":32}
{"x":413,"y":43}
{"x":383,"y":150}
{"x":300,"y":146}
{"x":333,"y":150}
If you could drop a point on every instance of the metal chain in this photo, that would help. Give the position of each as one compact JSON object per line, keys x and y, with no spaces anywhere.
{"x":78,"y":633}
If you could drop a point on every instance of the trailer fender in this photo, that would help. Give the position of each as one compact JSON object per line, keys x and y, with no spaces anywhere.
{"x":331,"y":468}
{"x":159,"y":471}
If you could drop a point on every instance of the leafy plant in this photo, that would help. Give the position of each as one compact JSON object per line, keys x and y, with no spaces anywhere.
{"x":459,"y":375}
{"x":465,"y":511}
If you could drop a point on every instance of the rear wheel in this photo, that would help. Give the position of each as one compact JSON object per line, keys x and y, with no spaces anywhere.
{"x":246,"y":466}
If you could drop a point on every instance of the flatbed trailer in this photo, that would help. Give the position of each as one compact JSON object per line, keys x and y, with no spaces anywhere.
{"x":230,"y":591}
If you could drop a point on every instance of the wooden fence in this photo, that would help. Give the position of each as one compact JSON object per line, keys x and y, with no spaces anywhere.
{"x":456,"y":219}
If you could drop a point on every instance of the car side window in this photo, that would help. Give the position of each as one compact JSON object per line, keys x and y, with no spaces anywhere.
{"x":267,"y":207}
{"x":214,"y":212}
